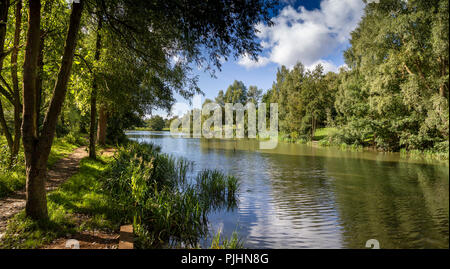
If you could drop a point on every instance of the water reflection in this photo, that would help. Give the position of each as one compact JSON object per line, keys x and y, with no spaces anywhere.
{"x":298,"y":196}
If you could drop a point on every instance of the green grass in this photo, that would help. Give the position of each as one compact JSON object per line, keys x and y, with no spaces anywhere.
{"x":140,"y":186}
{"x":220,"y":242}
{"x":61,"y":148}
{"x":322,"y":133}
{"x":427,"y":155}
{"x":167,"y":210}
{"x":81,"y":194}
{"x":14,"y":178}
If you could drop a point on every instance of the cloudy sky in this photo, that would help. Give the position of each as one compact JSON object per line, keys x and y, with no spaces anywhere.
{"x":308,"y":31}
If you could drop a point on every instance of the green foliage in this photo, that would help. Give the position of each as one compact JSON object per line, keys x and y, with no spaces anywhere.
{"x":169,"y":209}
{"x":396,"y":93}
{"x":81,"y":194}
{"x":13,"y":175}
{"x":254,"y":94}
{"x":305,"y":99}
{"x":224,"y":243}
{"x":213,"y":187}
{"x":236,"y":93}
{"x":392,"y":95}
{"x":119,"y":122}
{"x":156,"y":123}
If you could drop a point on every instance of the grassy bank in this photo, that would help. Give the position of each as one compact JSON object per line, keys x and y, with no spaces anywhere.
{"x":14,"y":178}
{"x":330,"y":137}
{"x":81,"y":195}
{"x":141,"y":186}
{"x":149,"y":129}
{"x":166,"y":203}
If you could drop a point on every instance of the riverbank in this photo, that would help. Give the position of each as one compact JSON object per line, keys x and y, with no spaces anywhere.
{"x":326,"y":138}
{"x":138,"y":186}
{"x":77,"y":206}
{"x":149,"y":129}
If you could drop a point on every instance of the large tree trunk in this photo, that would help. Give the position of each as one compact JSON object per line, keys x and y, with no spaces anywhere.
{"x":93,"y":123}
{"x":40,"y":72}
{"x":37,"y":146}
{"x":102,"y":125}
{"x":36,"y":204}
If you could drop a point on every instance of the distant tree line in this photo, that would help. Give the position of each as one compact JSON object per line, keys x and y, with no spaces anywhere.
{"x":392,"y":94}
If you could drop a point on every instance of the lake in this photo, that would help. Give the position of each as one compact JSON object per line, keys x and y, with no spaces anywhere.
{"x":302,"y":196}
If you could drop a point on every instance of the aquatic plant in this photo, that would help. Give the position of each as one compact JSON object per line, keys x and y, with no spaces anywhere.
{"x":169,"y":208}
{"x":219,"y":242}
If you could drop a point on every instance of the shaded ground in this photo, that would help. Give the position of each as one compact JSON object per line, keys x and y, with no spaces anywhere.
{"x":87,"y":240}
{"x":60,"y":172}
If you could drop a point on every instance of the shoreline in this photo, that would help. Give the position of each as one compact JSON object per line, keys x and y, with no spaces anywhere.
{"x":439,"y":158}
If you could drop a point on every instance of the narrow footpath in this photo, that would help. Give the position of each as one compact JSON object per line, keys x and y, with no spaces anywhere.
{"x":60,"y":172}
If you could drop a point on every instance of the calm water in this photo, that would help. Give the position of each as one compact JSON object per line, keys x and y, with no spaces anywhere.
{"x":298,"y":196}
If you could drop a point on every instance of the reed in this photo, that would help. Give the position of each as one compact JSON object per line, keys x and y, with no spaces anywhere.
{"x":169,"y":204}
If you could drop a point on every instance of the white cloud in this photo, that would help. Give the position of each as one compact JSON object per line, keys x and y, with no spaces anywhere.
{"x":247,"y":62}
{"x":328,"y":66}
{"x":308,"y":36}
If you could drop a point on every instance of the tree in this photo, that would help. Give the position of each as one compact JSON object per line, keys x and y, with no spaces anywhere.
{"x":36,"y":142}
{"x":305,"y":97}
{"x":236,"y":93}
{"x":254,"y":94}
{"x":399,"y":55}
{"x":95,"y":82}
{"x":220,"y":99}
{"x":149,"y":35}
{"x":196,"y":32}
{"x":156,"y":123}
{"x":11,"y":92}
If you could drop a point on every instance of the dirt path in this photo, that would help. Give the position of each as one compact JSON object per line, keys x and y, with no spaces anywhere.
{"x":88,"y":239}
{"x":60,"y":172}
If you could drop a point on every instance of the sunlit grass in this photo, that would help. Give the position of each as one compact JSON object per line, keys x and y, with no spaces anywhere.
{"x":139,"y":185}
{"x":13,"y":178}
{"x":81,"y":194}
{"x":221,"y":242}
{"x":322,"y":133}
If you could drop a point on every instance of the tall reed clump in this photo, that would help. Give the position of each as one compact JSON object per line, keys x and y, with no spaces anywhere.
{"x":167,"y":205}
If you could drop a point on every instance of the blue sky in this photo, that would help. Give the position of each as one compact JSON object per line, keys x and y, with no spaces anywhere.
{"x":308,"y":31}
